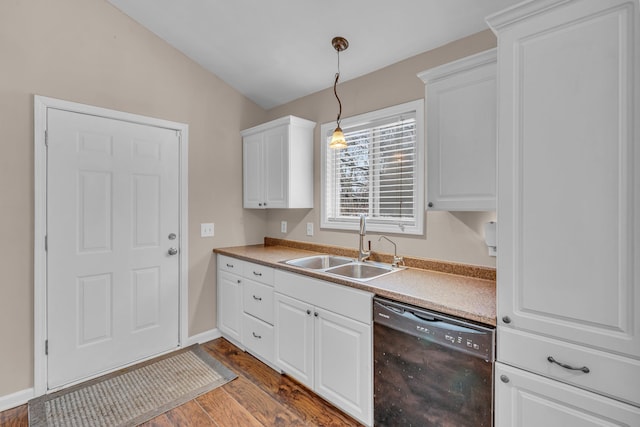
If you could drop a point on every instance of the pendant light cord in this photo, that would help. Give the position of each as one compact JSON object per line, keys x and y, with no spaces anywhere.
{"x":335,"y":92}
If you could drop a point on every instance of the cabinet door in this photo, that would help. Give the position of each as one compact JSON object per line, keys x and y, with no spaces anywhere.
{"x":523,"y":399}
{"x":230,"y":305}
{"x":252,"y":171}
{"x":461,"y":134}
{"x":569,"y":172}
{"x":276,"y":167}
{"x":343,"y":367}
{"x":293,"y":326}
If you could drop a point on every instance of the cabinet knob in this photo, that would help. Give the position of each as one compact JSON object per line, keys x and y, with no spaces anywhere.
{"x":309,"y":312}
{"x":238,"y":280}
{"x":506,"y":319}
{"x":259,"y":204}
{"x":315,"y":314}
{"x":504,"y":378}
{"x":265,"y":203}
{"x":430,"y":204}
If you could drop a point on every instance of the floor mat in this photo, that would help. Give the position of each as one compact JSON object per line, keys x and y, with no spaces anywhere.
{"x":133,"y":395}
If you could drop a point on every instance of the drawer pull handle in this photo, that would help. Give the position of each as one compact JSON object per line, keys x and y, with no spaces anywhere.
{"x":257,"y":298}
{"x":230,"y":265}
{"x":256,"y":335}
{"x":564,"y":365}
{"x":257,"y":274}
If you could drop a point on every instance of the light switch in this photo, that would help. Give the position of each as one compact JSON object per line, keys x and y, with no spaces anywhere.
{"x":283,"y":226}
{"x":309,"y":229}
{"x":207,"y":229}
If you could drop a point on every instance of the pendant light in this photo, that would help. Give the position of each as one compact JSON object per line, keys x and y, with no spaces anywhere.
{"x":337,"y":139}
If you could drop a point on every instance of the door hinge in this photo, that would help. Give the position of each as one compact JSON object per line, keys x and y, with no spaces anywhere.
{"x":46,"y":138}
{"x":46,"y":347}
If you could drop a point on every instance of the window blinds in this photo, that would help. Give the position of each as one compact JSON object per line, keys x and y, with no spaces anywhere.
{"x":376,"y":173}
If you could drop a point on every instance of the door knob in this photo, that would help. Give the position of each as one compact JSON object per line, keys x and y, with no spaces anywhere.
{"x":172,"y":251}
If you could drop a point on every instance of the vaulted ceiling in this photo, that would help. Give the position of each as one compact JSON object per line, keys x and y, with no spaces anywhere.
{"x":275,"y":51}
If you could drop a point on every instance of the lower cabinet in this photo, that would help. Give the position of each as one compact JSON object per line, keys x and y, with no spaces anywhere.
{"x":315,"y":331}
{"x":328,"y":351}
{"x":230,"y":306}
{"x":524,"y":399}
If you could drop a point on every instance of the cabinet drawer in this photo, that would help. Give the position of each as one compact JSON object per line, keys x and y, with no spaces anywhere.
{"x":353,"y":303}
{"x":259,"y":273}
{"x":232,"y":265}
{"x":609,"y":374}
{"x":257,"y":300}
{"x":257,"y":337}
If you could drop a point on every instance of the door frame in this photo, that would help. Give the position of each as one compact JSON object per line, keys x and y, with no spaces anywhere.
{"x":41,"y":104}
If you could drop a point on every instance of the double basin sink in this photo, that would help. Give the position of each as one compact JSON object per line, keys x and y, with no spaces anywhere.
{"x":348,"y":268}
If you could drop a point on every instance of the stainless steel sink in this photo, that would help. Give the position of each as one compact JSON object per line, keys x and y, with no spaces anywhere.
{"x":319,"y":262}
{"x":348,"y":268}
{"x":362,"y":270}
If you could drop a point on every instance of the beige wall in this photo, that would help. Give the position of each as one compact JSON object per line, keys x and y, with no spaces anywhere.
{"x":450,"y":236}
{"x":89,"y":52}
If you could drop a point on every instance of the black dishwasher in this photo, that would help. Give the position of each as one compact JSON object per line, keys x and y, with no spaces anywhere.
{"x":430,"y":369}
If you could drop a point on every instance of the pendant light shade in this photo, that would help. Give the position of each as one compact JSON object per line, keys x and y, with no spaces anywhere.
{"x":337,"y":139}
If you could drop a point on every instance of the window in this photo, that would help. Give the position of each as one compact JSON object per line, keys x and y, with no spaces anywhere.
{"x":379,"y":174}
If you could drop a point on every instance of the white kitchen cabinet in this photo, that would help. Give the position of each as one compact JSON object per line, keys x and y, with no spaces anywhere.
{"x":230,"y":298}
{"x":528,"y":400}
{"x":294,"y":338}
{"x":568,"y":201}
{"x":461,"y":134}
{"x":278,"y":164}
{"x":324,"y":340}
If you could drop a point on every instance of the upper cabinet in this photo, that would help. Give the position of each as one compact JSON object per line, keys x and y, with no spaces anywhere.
{"x":461,"y":134}
{"x":278,"y":164}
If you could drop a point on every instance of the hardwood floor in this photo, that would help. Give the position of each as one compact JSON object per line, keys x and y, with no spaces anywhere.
{"x":258,"y":397}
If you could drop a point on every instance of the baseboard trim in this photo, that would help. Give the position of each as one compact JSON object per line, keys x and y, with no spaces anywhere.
{"x":16,"y":399}
{"x":203,"y":337}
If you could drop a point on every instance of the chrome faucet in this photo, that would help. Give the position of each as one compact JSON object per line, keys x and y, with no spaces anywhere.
{"x":397,"y":260}
{"x":362,"y":253}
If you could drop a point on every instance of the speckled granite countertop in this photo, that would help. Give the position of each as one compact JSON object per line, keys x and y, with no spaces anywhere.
{"x":462,"y":294}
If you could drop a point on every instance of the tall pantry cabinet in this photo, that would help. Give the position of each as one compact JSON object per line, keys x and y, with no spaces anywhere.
{"x":568,"y":213}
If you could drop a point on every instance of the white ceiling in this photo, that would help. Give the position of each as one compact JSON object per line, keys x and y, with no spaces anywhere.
{"x":275,"y":51}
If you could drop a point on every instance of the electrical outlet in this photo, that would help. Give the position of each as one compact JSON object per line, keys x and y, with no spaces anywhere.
{"x":283,"y":226}
{"x":309,"y":229}
{"x":207,"y":229}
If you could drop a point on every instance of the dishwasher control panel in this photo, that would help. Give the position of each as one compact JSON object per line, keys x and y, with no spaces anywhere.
{"x":436,"y":327}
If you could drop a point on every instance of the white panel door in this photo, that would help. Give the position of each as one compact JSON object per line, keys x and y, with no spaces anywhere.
{"x":230,"y":305}
{"x":461,"y":134}
{"x":276,"y":167}
{"x":343,"y":363}
{"x":294,"y":338}
{"x":112,"y":280}
{"x":523,"y":399}
{"x":569,"y":181}
{"x":253,"y":184}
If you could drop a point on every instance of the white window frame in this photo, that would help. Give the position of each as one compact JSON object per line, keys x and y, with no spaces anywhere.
{"x":326,"y":130}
